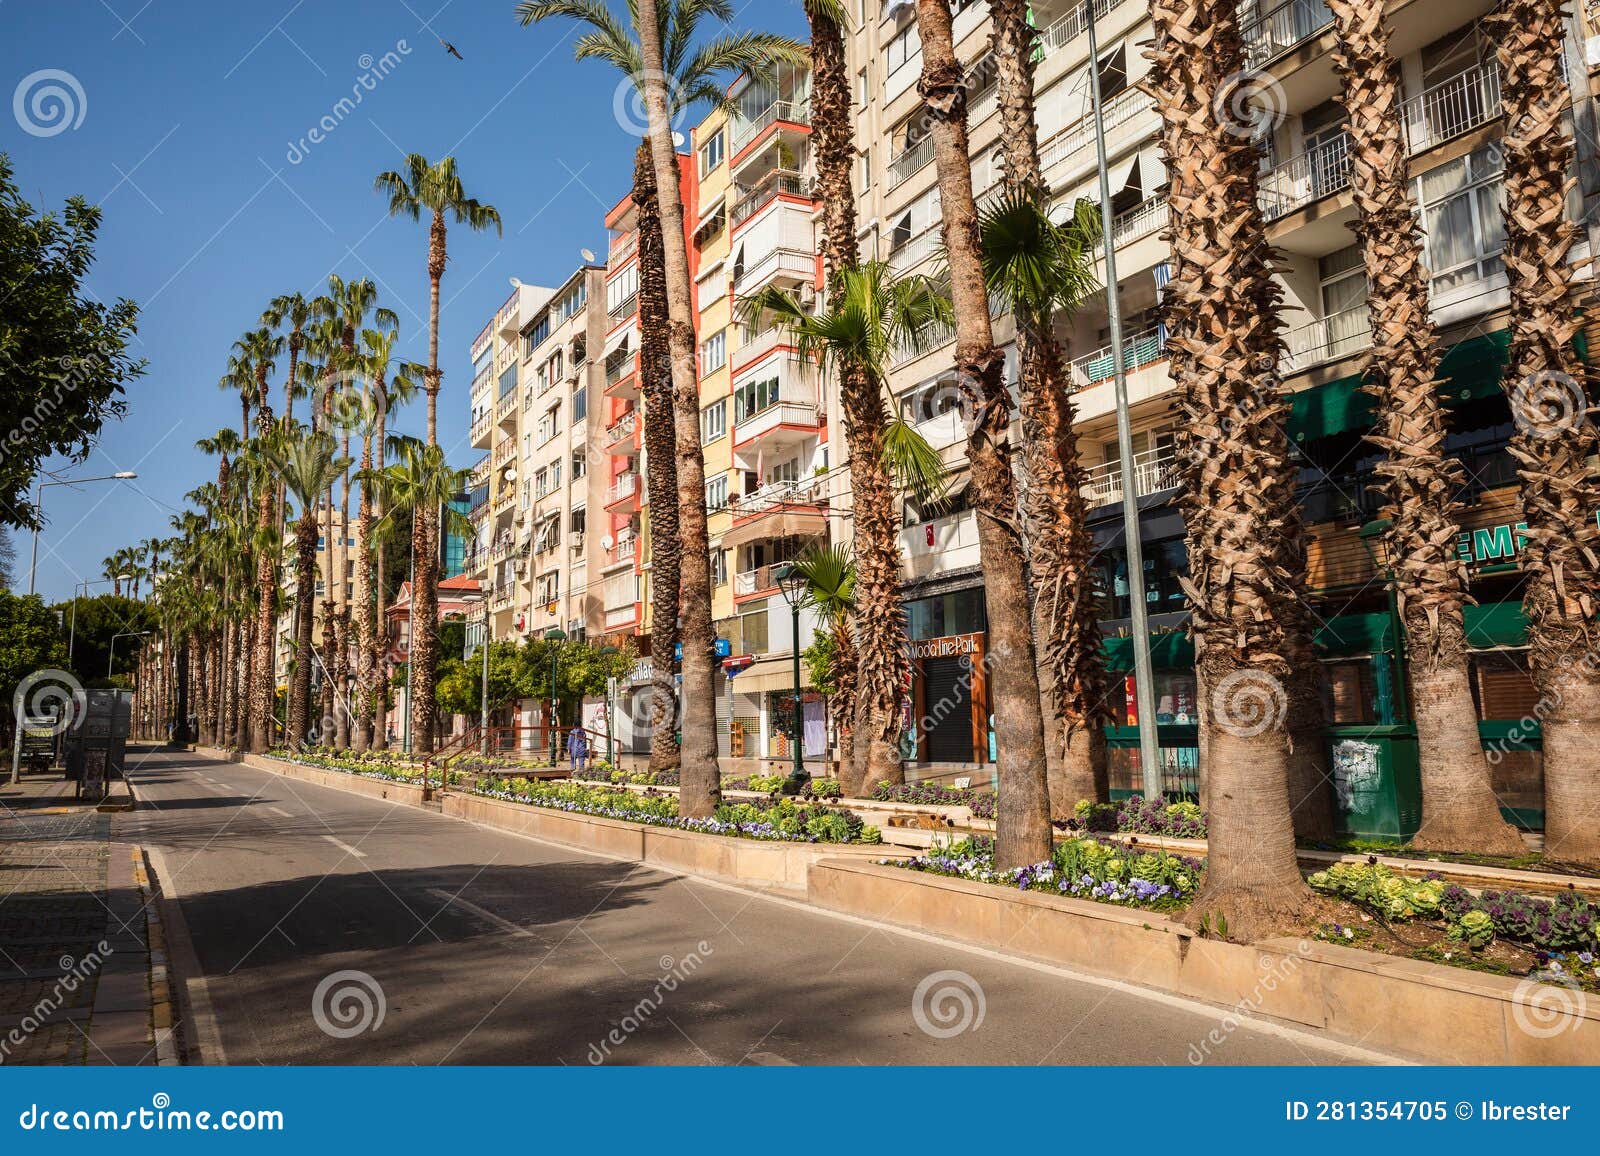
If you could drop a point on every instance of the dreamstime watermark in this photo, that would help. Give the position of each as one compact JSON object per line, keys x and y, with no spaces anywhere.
{"x":160,"y":1116}
{"x":1275,"y":970}
{"x":1529,"y":725}
{"x":75,"y":973}
{"x":348,"y":1003}
{"x":629,"y":108}
{"x":948,"y":1003}
{"x":77,"y":372}
{"x":47,"y":693}
{"x":373,"y":70}
{"x":49,"y":102}
{"x":673,"y":973}
{"x":1250,"y":104}
{"x":351,"y":402}
{"x":1548,"y":404}
{"x":1546,"y":1004}
{"x":1249,"y":702}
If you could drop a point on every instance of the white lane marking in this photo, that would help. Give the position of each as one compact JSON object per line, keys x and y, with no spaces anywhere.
{"x":481,"y":912}
{"x":345,"y":847}
{"x":280,"y":812}
{"x":769,"y":1059}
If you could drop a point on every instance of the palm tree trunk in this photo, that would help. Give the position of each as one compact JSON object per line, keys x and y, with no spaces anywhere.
{"x":1221,"y":315}
{"x":341,"y":625}
{"x":424,"y":653}
{"x":1022,"y":812}
{"x":304,"y":602}
{"x":700,"y":780}
{"x":380,"y":631}
{"x":267,"y":565}
{"x":1072,"y":677}
{"x":878,"y":621}
{"x":1551,"y":403}
{"x":438,"y":257}
{"x":1459,"y":811}
{"x":366,"y":637}
{"x":660,"y":435}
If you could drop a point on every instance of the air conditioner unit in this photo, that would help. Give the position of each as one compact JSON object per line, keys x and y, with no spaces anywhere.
{"x":808,"y":295}
{"x":577,"y":541}
{"x":519,"y":566}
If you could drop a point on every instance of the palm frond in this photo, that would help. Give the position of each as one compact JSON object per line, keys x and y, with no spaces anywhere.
{"x":912,"y":461}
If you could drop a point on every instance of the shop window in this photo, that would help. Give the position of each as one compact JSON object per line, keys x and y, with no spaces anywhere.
{"x":1350,"y":692}
{"x":1503,"y":686}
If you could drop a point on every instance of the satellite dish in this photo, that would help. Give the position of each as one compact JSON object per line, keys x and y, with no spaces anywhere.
{"x":511,"y":474}
{"x":677,"y":139}
{"x":606,"y":541}
{"x":588,"y":255}
{"x":516,"y":282}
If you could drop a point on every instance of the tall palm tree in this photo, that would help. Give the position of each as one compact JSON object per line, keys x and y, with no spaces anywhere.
{"x":324,"y":342}
{"x":259,"y":349}
{"x":661,"y":473}
{"x":1459,"y":811}
{"x":296,"y":312}
{"x":421,"y":483}
{"x":240,"y":378}
{"x":1022,"y":804}
{"x":829,"y":574}
{"x":671,"y":73}
{"x":306,"y":463}
{"x":1222,"y":325}
{"x":1551,"y":402}
{"x":434,"y":188}
{"x":868,"y":317}
{"x":398,"y":386}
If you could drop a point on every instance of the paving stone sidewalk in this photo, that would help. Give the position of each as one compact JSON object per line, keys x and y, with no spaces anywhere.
{"x":82,"y":957}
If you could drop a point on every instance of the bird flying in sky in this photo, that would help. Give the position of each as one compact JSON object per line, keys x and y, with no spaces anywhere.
{"x":451,"y":48}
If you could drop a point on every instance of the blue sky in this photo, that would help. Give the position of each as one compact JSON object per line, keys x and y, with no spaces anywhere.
{"x":194,"y":137}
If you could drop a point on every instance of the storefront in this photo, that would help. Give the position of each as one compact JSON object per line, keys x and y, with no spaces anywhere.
{"x":948,"y":715}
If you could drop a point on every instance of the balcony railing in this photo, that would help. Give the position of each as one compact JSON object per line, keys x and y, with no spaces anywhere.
{"x":624,"y":309}
{"x":1153,"y":471}
{"x":752,"y":198}
{"x":622,"y":429}
{"x":1301,"y":180}
{"x":1074,"y":24}
{"x":909,"y":161}
{"x":806,"y":492}
{"x":1140,"y":221}
{"x":982,"y":105}
{"x":624,"y":551}
{"x":504,"y":449}
{"x":618,"y":369}
{"x":1138,"y":351}
{"x":757,"y":580}
{"x":793,"y":111}
{"x":1458,"y":105}
{"x":914,"y":251}
{"x":1328,"y":339}
{"x":1278,"y":29}
{"x":1079,"y":135}
{"x":623,"y":246}
{"x":625,"y":486}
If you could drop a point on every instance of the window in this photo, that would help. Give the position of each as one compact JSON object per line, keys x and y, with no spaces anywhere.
{"x":570,"y":303}
{"x":906,"y":46}
{"x":621,"y":288}
{"x":508,"y":380}
{"x":717,"y":492}
{"x":714,"y":352}
{"x":549,"y":587}
{"x":861,"y":86}
{"x":538,"y":335}
{"x":580,"y":466}
{"x":753,"y":397}
{"x":713,"y":422}
{"x":864,"y":169}
{"x":719,"y":567}
{"x":549,"y":424}
{"x":1344,"y":280}
{"x":1463,"y":219}
{"x":580,"y":403}
{"x":711,"y":154}
{"x":580,"y":520}
{"x":788,"y":471}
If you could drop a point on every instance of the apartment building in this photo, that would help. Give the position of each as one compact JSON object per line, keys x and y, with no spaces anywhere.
{"x":1452,"y":118}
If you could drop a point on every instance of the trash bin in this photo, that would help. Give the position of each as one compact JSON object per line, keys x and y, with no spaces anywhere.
{"x":1376,"y":780}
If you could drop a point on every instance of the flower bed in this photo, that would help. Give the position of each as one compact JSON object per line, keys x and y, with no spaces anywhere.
{"x":1085,"y":868}
{"x":389,"y":766}
{"x":1139,"y":816}
{"x":773,"y":784}
{"x":604,"y":772}
{"x":783,"y":820}
{"x":931,"y":794}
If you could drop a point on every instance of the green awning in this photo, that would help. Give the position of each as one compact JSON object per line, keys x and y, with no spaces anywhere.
{"x":1496,"y":624}
{"x":1469,"y":370}
{"x":1171,"y":650}
{"x":1351,"y":634}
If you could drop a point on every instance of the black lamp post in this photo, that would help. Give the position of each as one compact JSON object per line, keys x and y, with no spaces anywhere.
{"x":554,"y":634}
{"x":793,"y":585}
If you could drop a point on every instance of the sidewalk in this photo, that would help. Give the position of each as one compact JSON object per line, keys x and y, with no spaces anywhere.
{"x":83,"y":977}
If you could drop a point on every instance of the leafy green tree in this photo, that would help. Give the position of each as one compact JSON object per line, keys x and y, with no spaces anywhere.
{"x":64,"y":362}
{"x":97,"y":620}
{"x":30,"y":640}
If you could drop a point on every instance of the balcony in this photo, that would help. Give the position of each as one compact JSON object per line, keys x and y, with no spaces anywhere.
{"x":622,"y":378}
{"x":944,"y":544}
{"x":1329,"y":338}
{"x":505,"y":501}
{"x":1153,"y":471}
{"x":623,"y":246}
{"x":1139,"y":221}
{"x":624,"y":488}
{"x":787,"y":111}
{"x":622,"y":310}
{"x":914,"y":252}
{"x":780,"y":423}
{"x":505,"y":409}
{"x":1073,"y":25}
{"x":909,"y":161}
{"x":482,"y":428}
{"x":1433,"y":116}
{"x":1278,"y":29}
{"x":623,"y":553}
{"x":1138,"y":351}
{"x":752,"y":199}
{"x":761,"y":580}
{"x":504,"y":450}
{"x":1074,"y":144}
{"x":789,"y":266}
{"x":619,"y":435}
{"x":812,"y":491}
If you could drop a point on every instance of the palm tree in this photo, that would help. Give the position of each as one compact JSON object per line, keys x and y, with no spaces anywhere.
{"x":869,"y":316}
{"x":421,"y":483}
{"x":1551,"y":402}
{"x":434,"y":188}
{"x":829,"y":574}
{"x":1022,"y":805}
{"x":1459,"y":811}
{"x":293,"y":310}
{"x":1222,"y":326}
{"x":671,"y":73}
{"x":306,"y":463}
{"x":324,"y":341}
{"x":240,"y":378}
{"x":399,"y":386}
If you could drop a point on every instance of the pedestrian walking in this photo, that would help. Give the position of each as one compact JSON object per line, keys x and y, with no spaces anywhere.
{"x":578,"y":748}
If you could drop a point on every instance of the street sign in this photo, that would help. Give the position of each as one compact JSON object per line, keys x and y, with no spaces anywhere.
{"x":733,"y":665}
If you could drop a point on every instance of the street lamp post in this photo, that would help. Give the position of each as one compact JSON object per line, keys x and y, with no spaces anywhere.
{"x":72,"y":618}
{"x":111,"y":662}
{"x":554,"y":634}
{"x":38,"y":510}
{"x":793,"y":585}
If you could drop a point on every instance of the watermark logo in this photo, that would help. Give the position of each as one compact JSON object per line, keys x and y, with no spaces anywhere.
{"x":49,"y":102}
{"x":348,"y":1003}
{"x":46,"y":693}
{"x":373,"y":70}
{"x":1548,"y":404}
{"x":673,"y":973}
{"x":1546,"y":1004}
{"x":75,"y":974}
{"x":1250,"y":104}
{"x":631,"y":112}
{"x":948,"y":1003}
{"x":1247,"y":703}
{"x":351,"y":402}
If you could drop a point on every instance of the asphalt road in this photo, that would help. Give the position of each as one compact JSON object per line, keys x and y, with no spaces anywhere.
{"x":479,"y":947}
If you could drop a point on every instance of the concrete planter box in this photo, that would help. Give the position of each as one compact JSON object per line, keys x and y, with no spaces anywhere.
{"x":1431,"y":1011}
{"x":408,"y":793}
{"x":761,"y":862}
